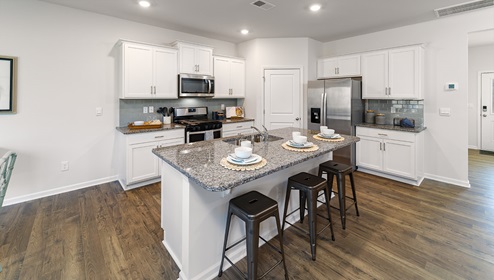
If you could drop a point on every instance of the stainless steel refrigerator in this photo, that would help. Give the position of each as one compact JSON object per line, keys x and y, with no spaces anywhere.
{"x":337,"y":104}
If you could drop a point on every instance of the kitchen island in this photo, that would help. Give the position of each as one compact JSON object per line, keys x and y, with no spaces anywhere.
{"x":196,"y":190}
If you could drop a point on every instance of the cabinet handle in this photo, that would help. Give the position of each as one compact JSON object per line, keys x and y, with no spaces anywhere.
{"x":151,"y":89}
{"x":159,"y":136}
{"x":382,"y":134}
{"x":154,"y":90}
{"x":239,"y":126}
{"x":380,"y":146}
{"x":384,"y":146}
{"x":338,"y":70}
{"x":389,"y":91}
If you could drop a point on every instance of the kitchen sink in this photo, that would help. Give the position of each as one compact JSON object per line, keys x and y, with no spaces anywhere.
{"x":257,"y":138}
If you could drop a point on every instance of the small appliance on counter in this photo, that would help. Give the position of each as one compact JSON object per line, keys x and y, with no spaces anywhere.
{"x":217,"y":115}
{"x":404,"y":122}
{"x":234,"y":112}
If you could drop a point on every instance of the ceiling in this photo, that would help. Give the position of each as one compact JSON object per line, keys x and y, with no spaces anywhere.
{"x":223,"y":19}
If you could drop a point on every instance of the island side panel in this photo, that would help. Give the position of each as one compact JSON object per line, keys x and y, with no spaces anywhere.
{"x":204,"y":219}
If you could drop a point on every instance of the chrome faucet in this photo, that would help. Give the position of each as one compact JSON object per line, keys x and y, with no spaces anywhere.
{"x":264,"y":135}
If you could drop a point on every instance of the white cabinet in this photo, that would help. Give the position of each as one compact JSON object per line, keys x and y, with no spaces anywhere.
{"x":148,"y":71}
{"x":236,"y":128}
{"x":195,"y":59}
{"x":229,"y":77}
{"x":139,"y":166}
{"x":342,"y":66}
{"x":393,"y":154}
{"x":393,"y":74}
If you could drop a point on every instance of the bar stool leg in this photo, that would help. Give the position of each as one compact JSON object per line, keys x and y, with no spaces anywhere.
{"x":341,"y":198}
{"x":354,"y":193}
{"x":285,"y":210}
{"x":227,"y":230}
{"x":312,"y":203}
{"x":281,"y":243}
{"x":302,"y":200}
{"x":252,"y":249}
{"x":328,"y":207}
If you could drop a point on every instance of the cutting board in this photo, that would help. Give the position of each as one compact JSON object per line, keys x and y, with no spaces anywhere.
{"x":234,"y":112}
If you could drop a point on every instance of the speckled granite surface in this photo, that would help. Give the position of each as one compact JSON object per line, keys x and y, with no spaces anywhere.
{"x":393,"y":127}
{"x":126,"y":130}
{"x":200,"y":161}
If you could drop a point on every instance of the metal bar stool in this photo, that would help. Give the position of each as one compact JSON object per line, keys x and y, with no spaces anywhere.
{"x":333,"y":168}
{"x":308,"y":186}
{"x":253,"y":208}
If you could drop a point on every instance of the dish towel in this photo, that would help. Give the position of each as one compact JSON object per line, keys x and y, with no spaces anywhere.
{"x":209,"y":135}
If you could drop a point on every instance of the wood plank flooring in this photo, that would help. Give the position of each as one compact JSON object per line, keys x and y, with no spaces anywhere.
{"x":435,"y":231}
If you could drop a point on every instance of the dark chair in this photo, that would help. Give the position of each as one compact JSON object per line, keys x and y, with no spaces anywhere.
{"x":253,"y":208}
{"x":308,"y":186}
{"x":340,"y":170}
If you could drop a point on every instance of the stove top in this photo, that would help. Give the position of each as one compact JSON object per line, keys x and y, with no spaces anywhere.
{"x":195,"y":119}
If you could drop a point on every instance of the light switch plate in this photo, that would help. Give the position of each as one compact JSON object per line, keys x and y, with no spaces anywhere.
{"x":151,"y":109}
{"x":446,"y":112}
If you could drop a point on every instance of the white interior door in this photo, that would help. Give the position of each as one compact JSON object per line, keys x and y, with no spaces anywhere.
{"x":487,"y":111}
{"x":282,"y":98}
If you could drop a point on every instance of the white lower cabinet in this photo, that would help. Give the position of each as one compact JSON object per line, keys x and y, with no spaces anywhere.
{"x":393,"y":154}
{"x":233,"y":129}
{"x":139,"y":166}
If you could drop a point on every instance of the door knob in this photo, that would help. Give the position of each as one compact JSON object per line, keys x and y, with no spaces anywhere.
{"x":484,"y":115}
{"x":297,"y":119}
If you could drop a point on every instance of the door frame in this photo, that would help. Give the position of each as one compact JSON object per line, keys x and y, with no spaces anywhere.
{"x":479,"y":111}
{"x":302,"y":96}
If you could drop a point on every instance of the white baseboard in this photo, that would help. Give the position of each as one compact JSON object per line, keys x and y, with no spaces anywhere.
{"x":32,"y":196}
{"x":472,"y":147}
{"x":465,"y":184}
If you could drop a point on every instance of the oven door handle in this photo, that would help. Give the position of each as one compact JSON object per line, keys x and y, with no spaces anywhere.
{"x":209,"y":86}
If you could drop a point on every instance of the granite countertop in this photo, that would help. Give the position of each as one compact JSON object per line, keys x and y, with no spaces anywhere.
{"x":200,"y":161}
{"x":126,"y":130}
{"x":416,"y":129}
{"x":236,"y":120}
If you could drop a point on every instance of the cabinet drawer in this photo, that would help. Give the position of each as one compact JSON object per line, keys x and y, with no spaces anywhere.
{"x":237,"y":126}
{"x":155,"y":136}
{"x":386,"y":134}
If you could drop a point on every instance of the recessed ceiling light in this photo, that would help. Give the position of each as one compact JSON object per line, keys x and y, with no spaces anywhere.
{"x":144,"y":3}
{"x":315,"y":7}
{"x":244,"y":31}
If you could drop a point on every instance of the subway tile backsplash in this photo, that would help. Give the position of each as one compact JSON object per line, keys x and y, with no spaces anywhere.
{"x":413,"y":109}
{"x":132,"y":109}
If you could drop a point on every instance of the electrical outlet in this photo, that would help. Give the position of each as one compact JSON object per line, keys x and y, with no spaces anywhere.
{"x":99,"y":111}
{"x":64,"y":166}
{"x":145,"y":109}
{"x":151,"y":109}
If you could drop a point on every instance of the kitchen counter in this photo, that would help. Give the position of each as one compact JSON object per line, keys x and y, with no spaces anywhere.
{"x":126,"y":130}
{"x":199,"y":161}
{"x":196,"y":190}
{"x":393,"y":127}
{"x":237,"y":120}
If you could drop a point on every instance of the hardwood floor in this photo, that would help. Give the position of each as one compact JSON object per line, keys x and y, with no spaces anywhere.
{"x":435,"y":231}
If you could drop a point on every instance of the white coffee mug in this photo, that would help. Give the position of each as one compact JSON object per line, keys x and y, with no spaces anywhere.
{"x":167,"y":120}
{"x":322,"y":127}
{"x":295,"y":134}
{"x":246,"y":143}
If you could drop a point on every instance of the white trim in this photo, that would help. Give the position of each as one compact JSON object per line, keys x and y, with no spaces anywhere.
{"x":465,"y":184}
{"x":479,"y":102}
{"x":32,"y":196}
{"x":472,"y":147}
{"x":137,"y":185}
{"x":392,"y":177}
{"x":284,"y":67}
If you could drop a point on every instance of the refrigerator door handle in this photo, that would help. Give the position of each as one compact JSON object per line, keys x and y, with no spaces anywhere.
{"x":323,"y":108}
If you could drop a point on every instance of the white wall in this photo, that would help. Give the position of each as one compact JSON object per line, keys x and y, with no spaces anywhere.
{"x":446,"y":40}
{"x":275,"y":52}
{"x":480,"y":58}
{"x":67,"y":69}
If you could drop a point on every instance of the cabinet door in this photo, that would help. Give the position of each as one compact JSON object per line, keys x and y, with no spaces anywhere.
{"x":204,"y":60}
{"x":237,"y":78}
{"x":375,"y":75}
{"x":369,"y":154}
{"x":137,"y":71}
{"x":165,"y":73}
{"x":399,"y":158}
{"x":142,"y":164}
{"x":349,"y":65}
{"x":327,"y":67}
{"x":221,"y":77}
{"x":187,"y":59}
{"x":404,"y":72}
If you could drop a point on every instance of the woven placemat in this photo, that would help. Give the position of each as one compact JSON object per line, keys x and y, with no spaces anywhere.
{"x":311,"y":149}
{"x":227,"y":165}
{"x":329,"y":139}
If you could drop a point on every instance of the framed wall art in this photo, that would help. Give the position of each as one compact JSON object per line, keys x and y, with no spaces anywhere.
{"x":8,"y":84}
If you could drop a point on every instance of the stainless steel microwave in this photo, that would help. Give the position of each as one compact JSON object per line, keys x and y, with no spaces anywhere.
{"x":190,"y":85}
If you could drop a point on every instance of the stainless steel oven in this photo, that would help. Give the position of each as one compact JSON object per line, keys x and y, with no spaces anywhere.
{"x":196,"y":136}
{"x":197,"y":125}
{"x":190,"y":85}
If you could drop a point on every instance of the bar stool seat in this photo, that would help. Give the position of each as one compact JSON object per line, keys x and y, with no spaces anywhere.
{"x":253,"y":208}
{"x":308,"y":186}
{"x":340,"y":170}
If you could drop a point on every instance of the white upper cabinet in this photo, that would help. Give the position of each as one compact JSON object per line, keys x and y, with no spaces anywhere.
{"x":229,"y":77}
{"x":342,"y":66}
{"x":393,"y":74}
{"x":195,"y":59}
{"x":148,"y":71}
